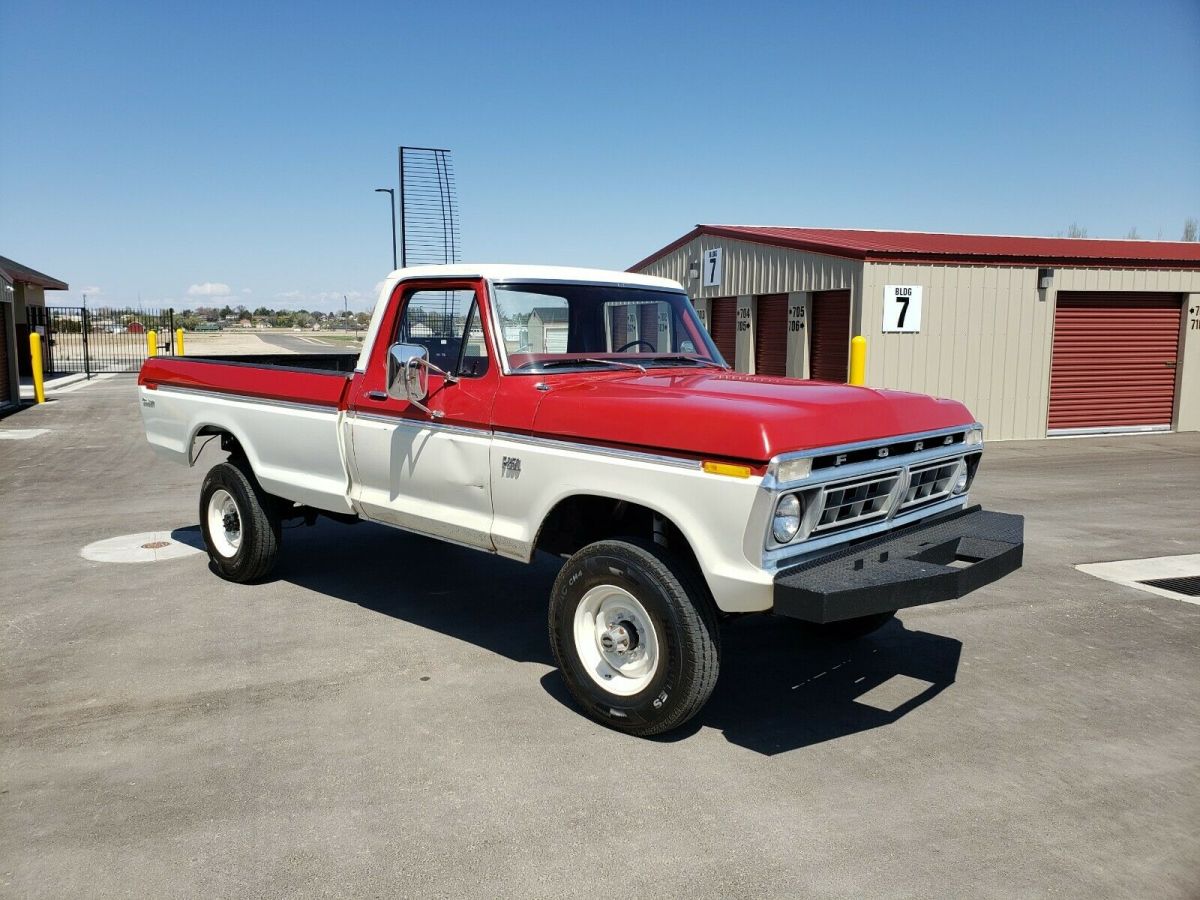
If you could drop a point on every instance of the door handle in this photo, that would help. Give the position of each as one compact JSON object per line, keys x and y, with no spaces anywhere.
{"x":1172,"y":364}
{"x":377,"y":395}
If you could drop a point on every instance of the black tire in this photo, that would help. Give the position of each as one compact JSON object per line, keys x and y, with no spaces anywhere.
{"x":853,"y":629}
{"x":257,"y":521}
{"x":685,"y":625}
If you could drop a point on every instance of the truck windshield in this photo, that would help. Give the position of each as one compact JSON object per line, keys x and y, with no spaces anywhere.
{"x":560,"y":327}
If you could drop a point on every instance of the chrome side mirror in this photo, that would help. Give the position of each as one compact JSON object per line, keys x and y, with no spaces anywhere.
{"x":408,"y":372}
{"x":408,"y":369}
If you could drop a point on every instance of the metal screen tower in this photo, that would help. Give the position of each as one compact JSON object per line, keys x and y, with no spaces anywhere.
{"x":429,"y":229}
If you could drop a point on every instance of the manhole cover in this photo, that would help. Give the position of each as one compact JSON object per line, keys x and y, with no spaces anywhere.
{"x":146,"y":546}
{"x":1189,"y":585}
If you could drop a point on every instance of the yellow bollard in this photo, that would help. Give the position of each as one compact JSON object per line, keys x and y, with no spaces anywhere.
{"x":858,"y":360}
{"x":151,"y":343}
{"x":39,"y":377}
{"x":179,"y":342}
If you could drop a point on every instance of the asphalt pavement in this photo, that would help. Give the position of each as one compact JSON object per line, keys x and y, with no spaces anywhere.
{"x":383,"y":717}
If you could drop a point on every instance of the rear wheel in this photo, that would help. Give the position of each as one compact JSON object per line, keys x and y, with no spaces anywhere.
{"x":635,"y":636}
{"x":240,"y":523}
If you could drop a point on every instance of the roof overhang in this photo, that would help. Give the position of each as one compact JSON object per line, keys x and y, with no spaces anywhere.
{"x":1007,"y":251}
{"x":16,"y":273}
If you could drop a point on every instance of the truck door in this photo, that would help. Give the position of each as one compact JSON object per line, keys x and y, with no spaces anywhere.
{"x":408,"y":468}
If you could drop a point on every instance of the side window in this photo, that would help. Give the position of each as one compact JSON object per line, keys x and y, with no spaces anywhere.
{"x":447,"y":324}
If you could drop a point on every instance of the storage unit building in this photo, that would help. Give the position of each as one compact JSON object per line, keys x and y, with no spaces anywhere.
{"x":22,"y":288}
{"x":1038,"y":336}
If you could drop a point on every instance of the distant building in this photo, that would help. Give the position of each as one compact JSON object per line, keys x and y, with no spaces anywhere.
{"x":20,"y":289}
{"x":1038,"y":336}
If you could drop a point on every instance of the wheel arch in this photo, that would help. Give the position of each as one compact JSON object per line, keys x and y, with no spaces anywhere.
{"x":578,"y":519}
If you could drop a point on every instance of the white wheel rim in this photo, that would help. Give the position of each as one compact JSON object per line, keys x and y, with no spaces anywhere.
{"x":224,"y":523}
{"x":615,"y":640}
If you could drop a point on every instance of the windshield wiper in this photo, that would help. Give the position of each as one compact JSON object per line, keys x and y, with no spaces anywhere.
{"x":551,"y":363}
{"x":696,"y":359}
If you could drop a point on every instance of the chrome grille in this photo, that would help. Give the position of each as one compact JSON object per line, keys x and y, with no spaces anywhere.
{"x":846,"y":504}
{"x":930,"y":482}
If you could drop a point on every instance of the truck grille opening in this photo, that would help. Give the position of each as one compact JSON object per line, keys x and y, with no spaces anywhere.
{"x":929,"y":483}
{"x":847,"y":504}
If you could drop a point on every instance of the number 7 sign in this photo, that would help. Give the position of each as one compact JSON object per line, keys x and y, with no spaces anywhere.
{"x":902,"y":308}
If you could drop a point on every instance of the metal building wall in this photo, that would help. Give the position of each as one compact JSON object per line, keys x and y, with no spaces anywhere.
{"x":756,"y":269}
{"x":750,"y":270}
{"x":986,"y":335}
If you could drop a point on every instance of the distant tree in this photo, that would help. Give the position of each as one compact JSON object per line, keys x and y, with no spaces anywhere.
{"x":1189,"y":230}
{"x":1077,"y":231}
{"x":1133,"y":234}
{"x":226,"y":311}
{"x":263,"y":311}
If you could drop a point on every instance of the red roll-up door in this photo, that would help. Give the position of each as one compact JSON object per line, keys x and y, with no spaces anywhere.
{"x":722,"y":325}
{"x":829,"y":336}
{"x":648,"y":328}
{"x":6,"y":391}
{"x":770,"y":335}
{"x":1113,"y":360}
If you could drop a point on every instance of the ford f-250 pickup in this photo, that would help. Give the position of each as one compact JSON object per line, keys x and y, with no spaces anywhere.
{"x":588,"y":414}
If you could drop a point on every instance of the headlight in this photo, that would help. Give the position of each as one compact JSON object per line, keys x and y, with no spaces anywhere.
{"x":962,"y":478}
{"x":787,"y":518}
{"x":974,"y":437}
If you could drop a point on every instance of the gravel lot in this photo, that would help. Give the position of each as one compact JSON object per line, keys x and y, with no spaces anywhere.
{"x":383,"y":718}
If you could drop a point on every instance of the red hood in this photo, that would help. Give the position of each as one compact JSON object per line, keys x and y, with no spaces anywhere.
{"x":730,"y":416}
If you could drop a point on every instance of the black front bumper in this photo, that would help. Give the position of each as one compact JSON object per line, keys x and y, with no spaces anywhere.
{"x":931,"y":561}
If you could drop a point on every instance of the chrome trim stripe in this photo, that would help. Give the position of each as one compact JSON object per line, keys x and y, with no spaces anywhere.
{"x":615,"y":452}
{"x":533,"y":440}
{"x":419,"y":423}
{"x":242,"y":398}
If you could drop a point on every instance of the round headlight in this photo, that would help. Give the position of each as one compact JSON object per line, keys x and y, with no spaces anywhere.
{"x":961,"y":479}
{"x":787,"y":519}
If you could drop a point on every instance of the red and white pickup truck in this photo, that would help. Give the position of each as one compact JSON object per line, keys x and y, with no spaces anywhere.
{"x":587,"y":414}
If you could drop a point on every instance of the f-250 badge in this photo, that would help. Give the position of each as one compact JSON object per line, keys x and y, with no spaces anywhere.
{"x":511,"y":467}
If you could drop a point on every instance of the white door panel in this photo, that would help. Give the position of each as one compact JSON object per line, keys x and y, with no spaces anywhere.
{"x":423,"y":476}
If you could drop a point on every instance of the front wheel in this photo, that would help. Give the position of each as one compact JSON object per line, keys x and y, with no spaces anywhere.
{"x":635,"y":636}
{"x":240,"y":524}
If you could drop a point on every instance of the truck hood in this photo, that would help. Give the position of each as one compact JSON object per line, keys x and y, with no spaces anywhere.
{"x":730,"y":416}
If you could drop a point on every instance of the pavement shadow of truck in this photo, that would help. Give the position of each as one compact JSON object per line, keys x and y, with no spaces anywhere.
{"x":782,"y":687}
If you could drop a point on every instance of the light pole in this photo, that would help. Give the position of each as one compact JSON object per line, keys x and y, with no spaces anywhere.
{"x":392,"y":203}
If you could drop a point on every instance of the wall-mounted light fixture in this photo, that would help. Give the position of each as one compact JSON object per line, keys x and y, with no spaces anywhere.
{"x":1045,"y":277}
{"x":693,"y":269}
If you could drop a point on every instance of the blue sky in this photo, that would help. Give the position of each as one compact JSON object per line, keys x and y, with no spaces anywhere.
{"x":153,"y":149}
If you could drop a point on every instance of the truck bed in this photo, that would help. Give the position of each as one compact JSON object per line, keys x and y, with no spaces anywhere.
{"x":282,"y":410}
{"x":310,"y":362}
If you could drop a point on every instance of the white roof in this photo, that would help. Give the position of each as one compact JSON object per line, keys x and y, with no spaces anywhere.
{"x":506,"y":272}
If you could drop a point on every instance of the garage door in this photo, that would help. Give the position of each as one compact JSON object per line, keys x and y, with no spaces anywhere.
{"x":829,"y":336}
{"x":770,"y":335}
{"x":722,"y":325}
{"x":1113,"y":363}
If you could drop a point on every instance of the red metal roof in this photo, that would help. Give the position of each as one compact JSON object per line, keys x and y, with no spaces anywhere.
{"x":921,"y":246}
{"x":17,"y":273}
